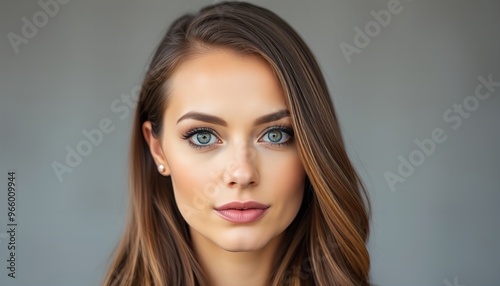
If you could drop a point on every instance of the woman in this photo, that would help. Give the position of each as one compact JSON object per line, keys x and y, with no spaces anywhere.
{"x":239,"y":175}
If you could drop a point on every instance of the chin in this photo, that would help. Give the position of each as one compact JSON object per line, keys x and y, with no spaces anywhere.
{"x":241,"y":246}
{"x":243,"y":242}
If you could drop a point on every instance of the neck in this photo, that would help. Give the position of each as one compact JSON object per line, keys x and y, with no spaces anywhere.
{"x":226,"y":268}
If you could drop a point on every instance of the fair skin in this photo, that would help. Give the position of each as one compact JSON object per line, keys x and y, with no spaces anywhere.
{"x":243,"y":155}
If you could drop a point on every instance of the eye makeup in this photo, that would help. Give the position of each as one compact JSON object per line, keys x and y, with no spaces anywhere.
{"x":203,"y":137}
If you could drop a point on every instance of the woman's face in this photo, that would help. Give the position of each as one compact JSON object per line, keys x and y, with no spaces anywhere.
{"x":227,"y":138}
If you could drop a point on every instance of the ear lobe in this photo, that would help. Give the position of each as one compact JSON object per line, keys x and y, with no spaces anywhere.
{"x":155,"y":147}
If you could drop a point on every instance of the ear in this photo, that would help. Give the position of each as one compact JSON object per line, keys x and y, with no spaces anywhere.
{"x":155,"y":147}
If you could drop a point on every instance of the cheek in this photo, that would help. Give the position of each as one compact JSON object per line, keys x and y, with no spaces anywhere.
{"x":286,"y":170}
{"x":285,"y":182}
{"x":193,"y":182}
{"x":186,"y":180}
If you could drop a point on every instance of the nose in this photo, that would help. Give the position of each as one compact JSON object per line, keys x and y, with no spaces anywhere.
{"x":241,"y":170}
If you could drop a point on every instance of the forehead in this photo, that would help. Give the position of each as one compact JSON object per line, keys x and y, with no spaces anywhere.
{"x":222,"y":79}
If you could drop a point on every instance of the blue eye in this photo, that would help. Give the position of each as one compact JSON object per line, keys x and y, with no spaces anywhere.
{"x":200,"y":137}
{"x":205,"y":137}
{"x":278,"y":135}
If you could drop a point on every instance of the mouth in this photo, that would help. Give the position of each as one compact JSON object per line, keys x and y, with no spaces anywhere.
{"x":242,"y":212}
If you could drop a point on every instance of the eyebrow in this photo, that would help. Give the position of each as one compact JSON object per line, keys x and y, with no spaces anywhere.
{"x":219,"y":121}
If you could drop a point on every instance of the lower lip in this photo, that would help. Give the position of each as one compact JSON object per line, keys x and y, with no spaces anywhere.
{"x":241,"y":216}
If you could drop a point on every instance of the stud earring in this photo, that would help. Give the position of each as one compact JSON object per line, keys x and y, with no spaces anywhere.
{"x":161,"y":168}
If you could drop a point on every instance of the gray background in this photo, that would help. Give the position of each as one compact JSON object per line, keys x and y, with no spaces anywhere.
{"x":441,"y":226}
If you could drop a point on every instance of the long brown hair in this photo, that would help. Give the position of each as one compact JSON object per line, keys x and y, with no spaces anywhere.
{"x":326,"y":243}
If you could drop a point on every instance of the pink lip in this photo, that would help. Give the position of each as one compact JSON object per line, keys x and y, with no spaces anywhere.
{"x":242,"y":212}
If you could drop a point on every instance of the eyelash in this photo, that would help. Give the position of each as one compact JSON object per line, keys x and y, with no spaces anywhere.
{"x":282,"y":128}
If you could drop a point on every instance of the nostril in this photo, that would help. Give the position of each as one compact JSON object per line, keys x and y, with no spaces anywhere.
{"x":241,"y":174}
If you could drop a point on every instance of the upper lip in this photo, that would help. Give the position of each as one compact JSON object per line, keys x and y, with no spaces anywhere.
{"x":242,"y":206}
